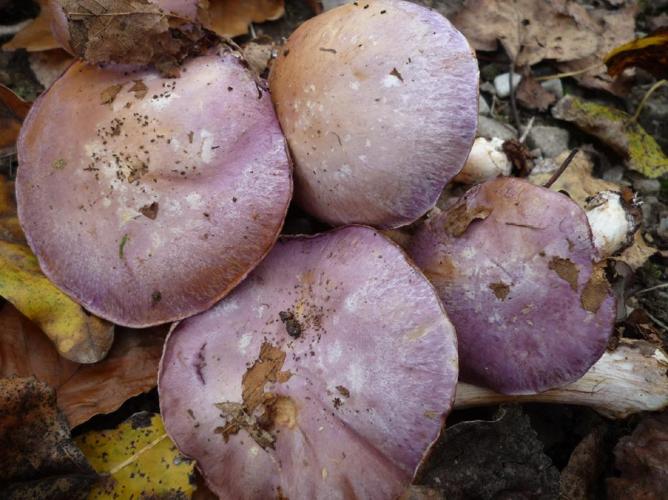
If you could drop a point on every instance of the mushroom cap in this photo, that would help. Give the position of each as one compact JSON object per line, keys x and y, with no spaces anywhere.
{"x":515,"y":267}
{"x":379,"y":103}
{"x":338,"y":351}
{"x":145,"y":198}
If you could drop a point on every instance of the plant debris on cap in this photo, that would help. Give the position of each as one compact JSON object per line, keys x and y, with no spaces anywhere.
{"x":379,"y":103}
{"x":516,"y":269}
{"x":326,"y":373}
{"x":147,"y":199}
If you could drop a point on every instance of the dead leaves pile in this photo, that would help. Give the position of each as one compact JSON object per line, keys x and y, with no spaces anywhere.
{"x":563,"y":31}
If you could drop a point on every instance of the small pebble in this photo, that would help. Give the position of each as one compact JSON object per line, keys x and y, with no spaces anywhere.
{"x":555,"y":87}
{"x":647,"y":186}
{"x":502,"y":84}
{"x":483,"y":107}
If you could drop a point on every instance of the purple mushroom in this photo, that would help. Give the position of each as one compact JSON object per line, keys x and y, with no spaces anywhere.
{"x":379,"y":103}
{"x":146,"y":198}
{"x":326,"y":374}
{"x":516,"y":269}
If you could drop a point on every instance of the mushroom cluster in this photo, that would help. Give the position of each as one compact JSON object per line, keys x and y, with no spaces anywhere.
{"x":318,"y":366}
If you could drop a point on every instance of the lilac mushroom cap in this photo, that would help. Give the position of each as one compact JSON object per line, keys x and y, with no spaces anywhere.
{"x":379,"y":103}
{"x":326,"y":374}
{"x":147,"y":199}
{"x":516,"y":269}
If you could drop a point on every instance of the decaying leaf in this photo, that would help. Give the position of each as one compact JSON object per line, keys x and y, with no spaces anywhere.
{"x":584,"y":467}
{"x":12,"y":112}
{"x":138,"y":460}
{"x":83,"y":391}
{"x":616,"y":129}
{"x":47,"y":66}
{"x":529,"y":30}
{"x":561,"y":30}
{"x":258,"y":54}
{"x":502,"y":458}
{"x":642,"y":459}
{"x":131,"y":32}
{"x":78,"y":336}
{"x":232,"y":18}
{"x":649,"y":53}
{"x":577,"y":180}
{"x":532,"y":95}
{"x":36,"y":36}
{"x":38,"y":458}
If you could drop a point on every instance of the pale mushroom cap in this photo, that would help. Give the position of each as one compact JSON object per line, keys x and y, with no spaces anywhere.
{"x":360,"y":395}
{"x":514,"y":266}
{"x":145,"y":198}
{"x":379,"y":103}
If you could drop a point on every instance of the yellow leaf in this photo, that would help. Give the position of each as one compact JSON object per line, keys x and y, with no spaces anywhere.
{"x":139,"y":461}
{"x":232,"y":18}
{"x":37,"y":35}
{"x":78,"y":336}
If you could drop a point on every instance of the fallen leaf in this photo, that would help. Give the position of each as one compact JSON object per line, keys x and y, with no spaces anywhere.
{"x":502,"y":458}
{"x":584,"y":467}
{"x":138,"y":460}
{"x":529,"y":30}
{"x":83,"y":391}
{"x":612,"y":27}
{"x":560,"y":30}
{"x":532,"y":95}
{"x":132,"y":32}
{"x":232,"y":18}
{"x":36,"y":36}
{"x":616,"y":129}
{"x":638,"y":253}
{"x":577,"y":180}
{"x":77,"y":335}
{"x":642,"y":459}
{"x":258,"y":54}
{"x":38,"y":459}
{"x":13,"y":110}
{"x":47,"y":66}
{"x":649,"y":53}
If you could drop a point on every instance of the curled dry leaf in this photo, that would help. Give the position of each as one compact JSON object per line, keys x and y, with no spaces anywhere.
{"x":82,"y":390}
{"x":36,"y":36}
{"x":561,"y":30}
{"x":584,"y":467}
{"x":232,"y":18}
{"x":649,"y":53}
{"x":77,"y":335}
{"x":618,"y":131}
{"x":137,"y":460}
{"x":38,"y":459}
{"x":502,"y":458}
{"x":128,"y":31}
{"x":13,"y":110}
{"x":642,"y":459}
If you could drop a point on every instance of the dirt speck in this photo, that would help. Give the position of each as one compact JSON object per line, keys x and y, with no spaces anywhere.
{"x":108,"y":95}
{"x":566,"y":270}
{"x":500,"y":290}
{"x":150,"y":211}
{"x":595,"y":291}
{"x":292,"y":326}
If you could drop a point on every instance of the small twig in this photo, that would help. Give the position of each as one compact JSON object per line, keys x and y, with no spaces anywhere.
{"x":651,"y":289}
{"x":561,"y":168}
{"x":568,"y":73}
{"x":648,"y":94}
{"x":527,"y":129}
{"x":513,"y":102}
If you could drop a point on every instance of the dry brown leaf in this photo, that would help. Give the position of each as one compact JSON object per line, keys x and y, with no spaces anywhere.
{"x":38,"y":459}
{"x":577,"y":180}
{"x":232,"y":17}
{"x":532,"y":95}
{"x":529,"y":30}
{"x":36,"y":36}
{"x":13,"y":110}
{"x":612,"y":28}
{"x":83,"y":390}
{"x":642,"y":459}
{"x":47,"y":66}
{"x":563,"y":30}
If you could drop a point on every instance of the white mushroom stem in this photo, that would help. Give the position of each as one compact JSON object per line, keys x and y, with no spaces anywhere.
{"x":631,"y":379}
{"x":486,"y":161}
{"x":612,"y":224}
